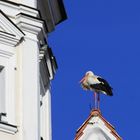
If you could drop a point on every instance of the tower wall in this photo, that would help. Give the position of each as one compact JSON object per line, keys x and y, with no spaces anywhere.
{"x":27,"y":66}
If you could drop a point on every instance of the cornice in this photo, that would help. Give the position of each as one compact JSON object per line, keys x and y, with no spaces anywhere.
{"x":30,"y":24}
{"x":12,"y":9}
{"x":10,"y":34}
{"x":9,"y":40}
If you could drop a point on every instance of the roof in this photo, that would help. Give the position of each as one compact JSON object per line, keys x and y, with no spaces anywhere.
{"x":52,"y":11}
{"x":97,"y":121}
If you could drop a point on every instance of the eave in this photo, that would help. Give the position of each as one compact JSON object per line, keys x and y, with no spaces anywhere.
{"x":63,"y":11}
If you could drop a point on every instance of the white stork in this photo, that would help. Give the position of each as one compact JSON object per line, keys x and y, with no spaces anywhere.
{"x":97,"y":84}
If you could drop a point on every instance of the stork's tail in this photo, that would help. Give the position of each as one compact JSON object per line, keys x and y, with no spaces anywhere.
{"x":109,"y":92}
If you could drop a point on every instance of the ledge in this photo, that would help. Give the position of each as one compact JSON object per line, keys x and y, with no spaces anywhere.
{"x":31,"y":25}
{"x":14,"y":8}
{"x":8,"y":128}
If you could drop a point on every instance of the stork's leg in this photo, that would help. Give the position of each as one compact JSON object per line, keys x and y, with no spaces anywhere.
{"x":98,"y":101}
{"x":95,"y":100}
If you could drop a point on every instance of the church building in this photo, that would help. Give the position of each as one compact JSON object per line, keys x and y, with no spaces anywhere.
{"x":27,"y":66}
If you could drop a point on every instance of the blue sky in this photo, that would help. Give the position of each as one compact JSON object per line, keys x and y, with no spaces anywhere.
{"x":102,"y":36}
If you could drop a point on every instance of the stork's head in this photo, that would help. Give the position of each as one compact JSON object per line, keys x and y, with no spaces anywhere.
{"x":89,"y":73}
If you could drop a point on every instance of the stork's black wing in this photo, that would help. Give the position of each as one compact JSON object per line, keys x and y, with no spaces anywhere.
{"x":106,"y":85}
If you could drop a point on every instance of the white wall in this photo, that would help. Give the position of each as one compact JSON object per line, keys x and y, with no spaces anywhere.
{"x":5,"y":136}
{"x":46,"y":132}
{"x":30,"y":90}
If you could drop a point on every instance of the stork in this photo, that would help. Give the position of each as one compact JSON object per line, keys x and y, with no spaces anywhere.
{"x":96,"y":84}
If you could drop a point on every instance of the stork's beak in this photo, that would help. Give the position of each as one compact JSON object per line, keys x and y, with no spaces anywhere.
{"x":82,"y":79}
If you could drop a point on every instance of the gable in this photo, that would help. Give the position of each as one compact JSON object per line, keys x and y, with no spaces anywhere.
{"x":1,"y":28}
{"x":8,"y":27}
{"x":96,"y":134}
{"x":97,"y":131}
{"x":97,"y":128}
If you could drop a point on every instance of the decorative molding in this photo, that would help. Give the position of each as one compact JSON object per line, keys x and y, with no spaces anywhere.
{"x":52,"y":62}
{"x":9,"y":27}
{"x":9,"y":40}
{"x":47,"y":55}
{"x":8,"y":128}
{"x":31,"y":25}
{"x":10,"y":34}
{"x":6,"y":54}
{"x":44,"y":71}
{"x":12,"y":9}
{"x":53,"y":12}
